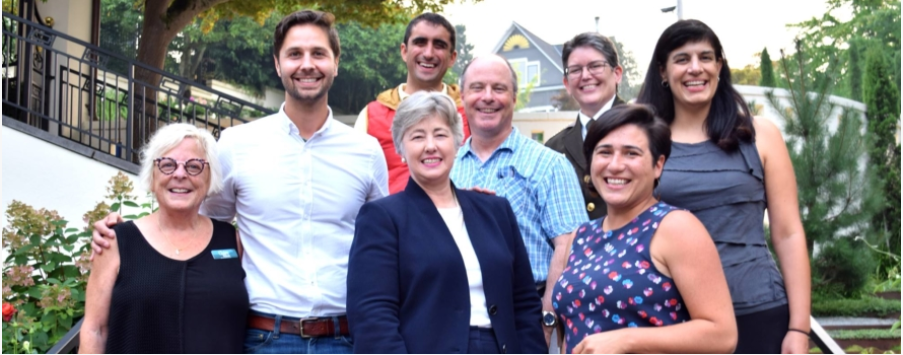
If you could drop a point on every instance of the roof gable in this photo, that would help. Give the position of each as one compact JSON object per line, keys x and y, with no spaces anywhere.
{"x":552,"y":53}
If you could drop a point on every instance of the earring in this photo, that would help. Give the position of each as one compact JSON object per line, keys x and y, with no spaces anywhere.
{"x":403,"y":160}
{"x":664,"y":83}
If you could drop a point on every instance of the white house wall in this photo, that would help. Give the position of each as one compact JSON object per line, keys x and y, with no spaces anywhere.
{"x":44,"y":175}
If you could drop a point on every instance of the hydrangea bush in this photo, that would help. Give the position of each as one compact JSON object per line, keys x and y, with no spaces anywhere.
{"x":46,"y":270}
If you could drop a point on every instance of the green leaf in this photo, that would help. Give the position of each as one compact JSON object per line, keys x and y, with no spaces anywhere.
{"x":66,"y":322}
{"x":131,"y":216}
{"x":59,"y":223}
{"x":71,"y":230}
{"x":114,"y":207}
{"x":71,"y":271}
{"x":53,"y":281}
{"x":72,"y":238}
{"x":33,"y":292}
{"x":59,"y":258}
{"x":48,"y":267}
{"x":21,"y":259}
{"x":130,"y":203}
{"x":24,"y":249}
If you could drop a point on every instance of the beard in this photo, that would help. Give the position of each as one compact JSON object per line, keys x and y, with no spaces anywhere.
{"x":307,"y":97}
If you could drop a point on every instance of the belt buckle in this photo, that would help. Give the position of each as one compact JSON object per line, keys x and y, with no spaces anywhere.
{"x":301,"y":326}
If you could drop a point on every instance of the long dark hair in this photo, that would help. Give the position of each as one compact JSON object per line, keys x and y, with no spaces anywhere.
{"x":729,"y":120}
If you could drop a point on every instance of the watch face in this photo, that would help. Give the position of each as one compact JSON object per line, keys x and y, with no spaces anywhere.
{"x":548,"y":319}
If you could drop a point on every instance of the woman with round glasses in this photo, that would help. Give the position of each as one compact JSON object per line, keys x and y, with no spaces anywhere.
{"x":172,"y":282}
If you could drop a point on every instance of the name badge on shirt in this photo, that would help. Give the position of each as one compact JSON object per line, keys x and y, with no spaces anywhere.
{"x":224,"y":254}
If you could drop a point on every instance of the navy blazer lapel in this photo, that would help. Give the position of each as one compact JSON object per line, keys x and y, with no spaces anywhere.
{"x":573,"y":144}
{"x":472,"y":222}
{"x":424,"y":204}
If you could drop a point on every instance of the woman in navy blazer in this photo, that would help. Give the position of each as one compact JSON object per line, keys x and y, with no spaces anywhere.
{"x":435,"y":269}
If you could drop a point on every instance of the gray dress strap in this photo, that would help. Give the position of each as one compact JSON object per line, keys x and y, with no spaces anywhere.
{"x":726,"y":191}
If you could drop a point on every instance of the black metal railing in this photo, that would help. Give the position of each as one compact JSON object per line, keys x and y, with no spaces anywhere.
{"x":78,"y":96}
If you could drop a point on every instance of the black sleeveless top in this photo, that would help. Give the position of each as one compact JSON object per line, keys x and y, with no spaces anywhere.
{"x":161,"y":305}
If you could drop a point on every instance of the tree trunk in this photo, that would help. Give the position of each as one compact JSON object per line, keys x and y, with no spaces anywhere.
{"x":163,"y":20}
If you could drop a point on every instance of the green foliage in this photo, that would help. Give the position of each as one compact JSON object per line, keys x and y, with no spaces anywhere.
{"x":766,"y":69}
{"x":854,"y":307}
{"x":748,"y":75}
{"x":46,"y":272}
{"x":855,"y":66}
{"x":120,"y":26}
{"x":11,"y":6}
{"x":465,"y":53}
{"x":875,"y":24}
{"x":109,"y":107}
{"x":370,"y":13}
{"x":836,"y":197}
{"x":858,"y":334}
{"x":843,"y":266}
{"x":856,"y":349}
{"x":371,"y":62}
{"x":523,"y":97}
{"x":833,"y":191}
{"x":237,"y":50}
{"x":631,"y":81}
{"x":564,"y":101}
{"x":881,"y":96}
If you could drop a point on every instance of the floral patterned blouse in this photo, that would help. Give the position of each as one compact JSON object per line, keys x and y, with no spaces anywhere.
{"x":610,"y":281}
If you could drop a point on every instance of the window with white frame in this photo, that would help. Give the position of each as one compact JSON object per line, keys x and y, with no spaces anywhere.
{"x":527,"y":71}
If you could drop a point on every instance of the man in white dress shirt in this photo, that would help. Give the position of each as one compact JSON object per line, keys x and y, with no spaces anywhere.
{"x":296,"y":180}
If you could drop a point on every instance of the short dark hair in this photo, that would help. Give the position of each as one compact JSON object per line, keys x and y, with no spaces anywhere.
{"x":729,"y":120}
{"x":657,"y":131}
{"x":434,"y":19}
{"x":322,"y":19}
{"x":510,"y":68}
{"x":595,"y":41}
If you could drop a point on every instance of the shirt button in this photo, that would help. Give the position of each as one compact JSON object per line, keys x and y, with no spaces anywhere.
{"x":590,"y":206}
{"x":493,"y":310}
{"x":586,"y":179}
{"x":504,"y":348}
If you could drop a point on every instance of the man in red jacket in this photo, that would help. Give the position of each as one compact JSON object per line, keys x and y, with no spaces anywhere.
{"x":428,"y":50}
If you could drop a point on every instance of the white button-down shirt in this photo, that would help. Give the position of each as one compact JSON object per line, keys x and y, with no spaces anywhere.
{"x":296,"y":203}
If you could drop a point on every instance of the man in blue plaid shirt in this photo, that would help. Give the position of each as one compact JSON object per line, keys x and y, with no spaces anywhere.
{"x":539,"y":183}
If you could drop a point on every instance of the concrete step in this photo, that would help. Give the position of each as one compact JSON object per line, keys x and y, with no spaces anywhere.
{"x":834,"y":323}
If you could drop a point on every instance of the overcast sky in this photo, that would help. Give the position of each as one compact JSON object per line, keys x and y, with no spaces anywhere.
{"x":743,"y":27}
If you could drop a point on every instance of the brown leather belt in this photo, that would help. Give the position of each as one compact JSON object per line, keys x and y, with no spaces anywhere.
{"x":306,"y":328}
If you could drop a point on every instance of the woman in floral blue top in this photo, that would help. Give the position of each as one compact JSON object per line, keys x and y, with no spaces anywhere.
{"x":646,"y":277}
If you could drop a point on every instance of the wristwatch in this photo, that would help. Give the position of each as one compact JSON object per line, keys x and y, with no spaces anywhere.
{"x":548,"y":319}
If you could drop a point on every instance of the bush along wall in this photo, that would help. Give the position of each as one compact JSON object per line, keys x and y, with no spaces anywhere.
{"x":46,"y":272}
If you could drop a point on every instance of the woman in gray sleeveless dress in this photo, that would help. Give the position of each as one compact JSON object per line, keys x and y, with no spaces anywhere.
{"x":720,"y":162}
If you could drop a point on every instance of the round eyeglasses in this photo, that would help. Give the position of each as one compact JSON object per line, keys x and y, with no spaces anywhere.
{"x":168,"y":166}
